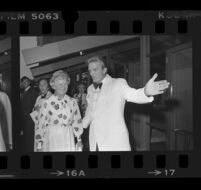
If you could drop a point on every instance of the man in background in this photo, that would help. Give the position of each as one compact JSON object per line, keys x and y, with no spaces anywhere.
{"x":28,"y":99}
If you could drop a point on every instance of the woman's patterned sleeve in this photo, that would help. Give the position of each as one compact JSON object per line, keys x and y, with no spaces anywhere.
{"x":77,"y":120}
{"x":41,"y":125}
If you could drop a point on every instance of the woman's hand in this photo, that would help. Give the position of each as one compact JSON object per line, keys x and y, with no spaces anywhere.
{"x":36,"y":108}
{"x":79,"y":145}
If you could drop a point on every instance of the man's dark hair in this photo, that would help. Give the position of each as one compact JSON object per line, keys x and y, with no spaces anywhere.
{"x":46,"y":79}
{"x":25,"y":78}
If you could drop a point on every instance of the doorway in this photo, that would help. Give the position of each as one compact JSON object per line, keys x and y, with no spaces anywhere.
{"x":179,"y":73}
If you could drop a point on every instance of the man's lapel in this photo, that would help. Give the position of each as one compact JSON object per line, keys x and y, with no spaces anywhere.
{"x":26,"y":92}
{"x":105,"y":87}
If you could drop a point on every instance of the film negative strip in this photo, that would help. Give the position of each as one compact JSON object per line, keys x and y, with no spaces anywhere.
{"x":57,"y":121}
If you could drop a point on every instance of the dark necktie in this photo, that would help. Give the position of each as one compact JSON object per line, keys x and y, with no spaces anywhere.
{"x":97,"y":85}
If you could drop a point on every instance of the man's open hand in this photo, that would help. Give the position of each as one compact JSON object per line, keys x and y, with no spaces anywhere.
{"x":153,"y":87}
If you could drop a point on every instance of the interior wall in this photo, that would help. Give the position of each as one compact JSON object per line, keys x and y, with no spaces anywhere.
{"x":26,"y":43}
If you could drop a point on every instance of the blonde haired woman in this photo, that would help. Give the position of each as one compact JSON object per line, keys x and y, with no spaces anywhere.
{"x":59,"y":119}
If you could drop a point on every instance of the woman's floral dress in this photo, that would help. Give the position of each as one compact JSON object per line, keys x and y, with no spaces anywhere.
{"x":58,"y":123}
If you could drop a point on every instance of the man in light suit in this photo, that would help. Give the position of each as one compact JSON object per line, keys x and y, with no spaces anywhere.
{"x":106,"y":99}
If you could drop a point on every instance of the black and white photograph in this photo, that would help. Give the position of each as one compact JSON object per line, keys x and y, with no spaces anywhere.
{"x":6,"y":140}
{"x":104,"y":93}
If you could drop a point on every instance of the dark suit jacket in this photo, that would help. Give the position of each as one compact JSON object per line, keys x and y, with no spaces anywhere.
{"x":28,"y":100}
{"x":27,"y":103}
{"x":27,"y":125}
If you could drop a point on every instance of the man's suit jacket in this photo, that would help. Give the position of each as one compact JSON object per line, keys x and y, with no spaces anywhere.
{"x":28,"y":100}
{"x":27,"y":104}
{"x":105,"y":114}
{"x":27,"y":126}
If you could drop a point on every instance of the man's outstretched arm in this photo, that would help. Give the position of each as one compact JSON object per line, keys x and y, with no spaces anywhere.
{"x":145,"y":94}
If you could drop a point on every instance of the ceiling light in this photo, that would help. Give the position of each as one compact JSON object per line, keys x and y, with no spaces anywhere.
{"x":5,"y":53}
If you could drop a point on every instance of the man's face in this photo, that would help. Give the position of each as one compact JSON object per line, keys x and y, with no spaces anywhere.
{"x":81,"y":89}
{"x":97,"y":71}
{"x":43,"y":86}
{"x":25,"y":83}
